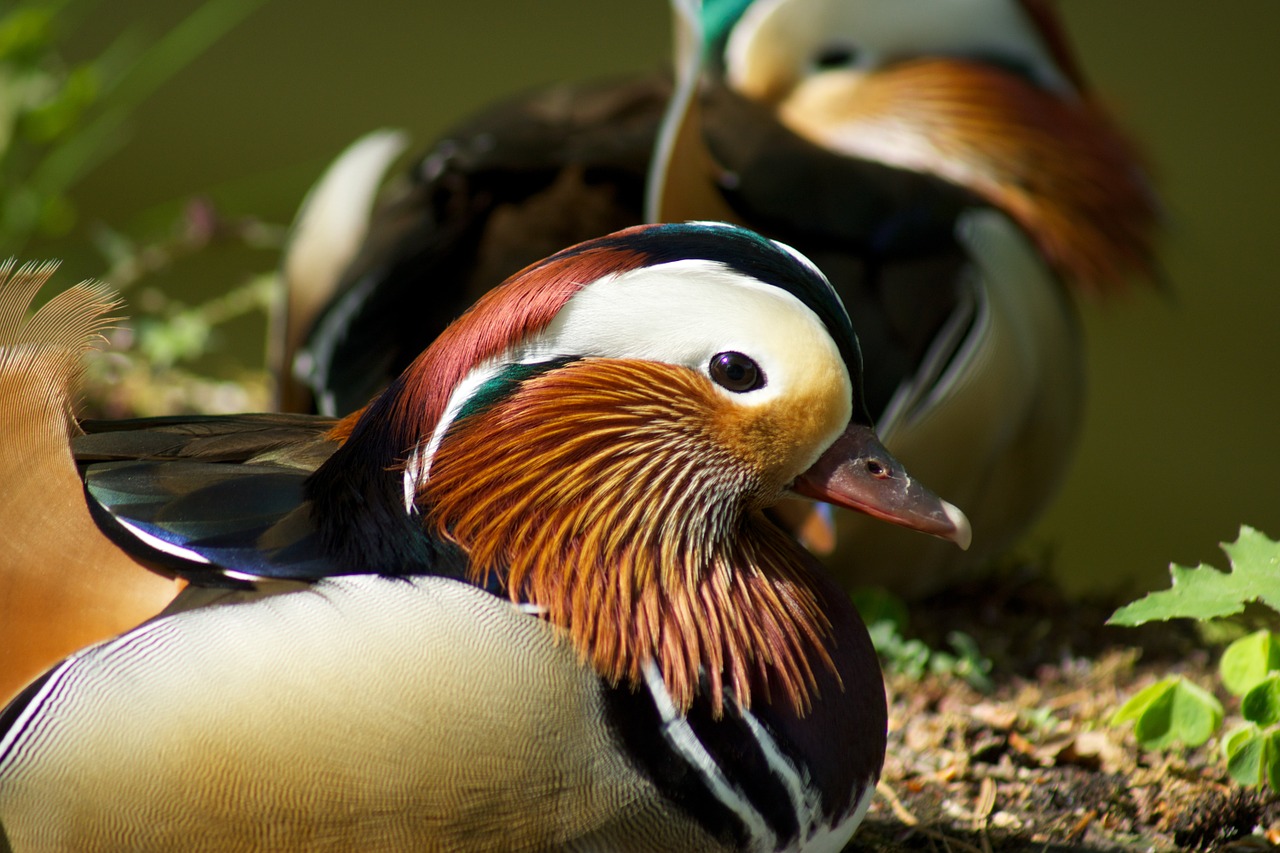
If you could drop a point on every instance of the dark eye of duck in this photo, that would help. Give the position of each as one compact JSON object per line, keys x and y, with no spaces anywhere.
{"x":736,"y":372}
{"x":835,"y":55}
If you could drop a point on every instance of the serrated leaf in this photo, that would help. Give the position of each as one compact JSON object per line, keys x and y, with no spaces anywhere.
{"x":1261,"y":705}
{"x":1204,"y":592}
{"x":1172,"y":711}
{"x":1247,"y":661}
{"x":1247,"y":755}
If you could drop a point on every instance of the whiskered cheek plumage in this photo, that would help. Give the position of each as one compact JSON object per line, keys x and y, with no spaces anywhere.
{"x":646,"y":474}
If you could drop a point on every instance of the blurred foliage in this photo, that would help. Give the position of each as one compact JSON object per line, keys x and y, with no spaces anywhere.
{"x":59,"y":120}
{"x":887,"y":619}
{"x":156,"y":362}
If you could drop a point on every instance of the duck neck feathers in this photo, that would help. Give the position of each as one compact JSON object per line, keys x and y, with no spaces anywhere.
{"x":624,"y":522}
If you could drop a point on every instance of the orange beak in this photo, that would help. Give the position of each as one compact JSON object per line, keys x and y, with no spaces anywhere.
{"x":858,"y":473}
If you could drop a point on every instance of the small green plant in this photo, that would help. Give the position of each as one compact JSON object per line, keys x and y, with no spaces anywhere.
{"x":886,"y":618}
{"x":1250,"y":669}
{"x":1171,"y":711}
{"x":1175,"y":710}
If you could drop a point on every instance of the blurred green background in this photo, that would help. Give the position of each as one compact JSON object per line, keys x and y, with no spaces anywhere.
{"x":1182,"y":439}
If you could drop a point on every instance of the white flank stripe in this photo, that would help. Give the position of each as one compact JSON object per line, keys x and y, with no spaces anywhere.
{"x":805,"y":802}
{"x":678,"y":732}
{"x":816,"y":835}
{"x":831,"y":839}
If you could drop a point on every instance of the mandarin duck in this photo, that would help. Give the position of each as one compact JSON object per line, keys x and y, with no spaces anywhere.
{"x":527,"y":598}
{"x":944,"y":164}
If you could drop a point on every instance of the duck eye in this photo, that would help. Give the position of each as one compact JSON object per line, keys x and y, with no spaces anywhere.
{"x":835,"y":55}
{"x":736,"y":372}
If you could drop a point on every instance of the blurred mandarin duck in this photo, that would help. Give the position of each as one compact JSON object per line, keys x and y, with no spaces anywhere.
{"x":526,"y":598}
{"x":944,"y":164}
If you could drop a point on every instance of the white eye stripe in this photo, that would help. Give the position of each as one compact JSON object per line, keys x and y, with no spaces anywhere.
{"x":685,"y":312}
{"x":808,"y":264}
{"x":418,"y":466}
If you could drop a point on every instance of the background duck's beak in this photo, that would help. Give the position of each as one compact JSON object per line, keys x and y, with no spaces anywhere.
{"x":857,"y":472}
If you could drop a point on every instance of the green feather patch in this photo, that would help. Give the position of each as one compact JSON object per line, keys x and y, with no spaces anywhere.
{"x":506,"y":382}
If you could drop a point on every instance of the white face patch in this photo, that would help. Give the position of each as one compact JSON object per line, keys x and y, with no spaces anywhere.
{"x":682,"y":313}
{"x":778,"y":40}
{"x":686,"y":312}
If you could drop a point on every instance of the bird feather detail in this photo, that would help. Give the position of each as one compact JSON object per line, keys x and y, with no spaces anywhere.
{"x":624,"y":521}
{"x":1060,"y":167}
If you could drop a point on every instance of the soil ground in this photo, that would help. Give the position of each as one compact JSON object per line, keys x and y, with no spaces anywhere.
{"x":1031,"y":764}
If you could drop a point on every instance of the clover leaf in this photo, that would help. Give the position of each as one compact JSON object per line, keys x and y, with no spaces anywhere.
{"x":1249,"y":660}
{"x":1253,"y":756}
{"x":1170,"y":711}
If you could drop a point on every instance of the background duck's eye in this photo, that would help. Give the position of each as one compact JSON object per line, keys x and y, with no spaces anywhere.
{"x":736,"y":372}
{"x":835,"y":55}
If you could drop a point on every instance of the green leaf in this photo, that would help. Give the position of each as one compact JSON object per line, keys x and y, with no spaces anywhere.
{"x":181,"y":337}
{"x":1248,"y":753}
{"x":1247,"y":661}
{"x":25,"y":32}
{"x":1171,"y":711}
{"x":1261,"y":704}
{"x":1206,"y":593}
{"x":1139,"y":703}
{"x":876,"y":603}
{"x":1272,"y":760}
{"x":1197,"y":714}
{"x":57,"y":116}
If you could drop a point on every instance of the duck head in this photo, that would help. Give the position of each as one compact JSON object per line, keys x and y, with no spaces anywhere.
{"x":600,"y":438}
{"x":984,"y":94}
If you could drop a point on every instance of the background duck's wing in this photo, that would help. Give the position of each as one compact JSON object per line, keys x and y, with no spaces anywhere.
{"x":510,"y":187}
